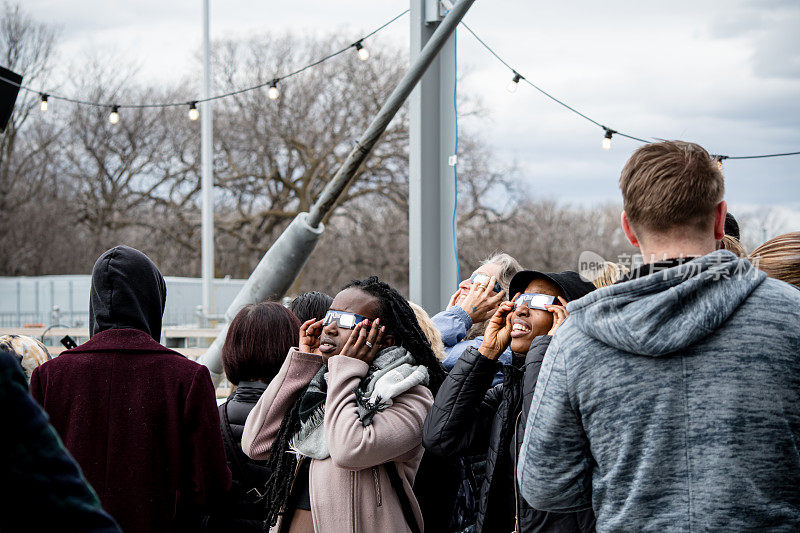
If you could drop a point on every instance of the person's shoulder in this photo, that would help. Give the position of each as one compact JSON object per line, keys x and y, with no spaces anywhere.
{"x":179,"y":362}
{"x":777,"y":296}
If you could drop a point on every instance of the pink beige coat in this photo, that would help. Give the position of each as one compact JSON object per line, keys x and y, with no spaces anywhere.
{"x":350,"y":491}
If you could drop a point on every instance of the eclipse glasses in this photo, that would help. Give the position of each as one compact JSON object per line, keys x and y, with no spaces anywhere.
{"x":342,"y":319}
{"x":483,"y":279}
{"x":535,"y":300}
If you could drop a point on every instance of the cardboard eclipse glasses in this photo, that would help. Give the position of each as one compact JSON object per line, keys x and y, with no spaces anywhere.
{"x":483,"y":279}
{"x":342,"y":319}
{"x":535,"y":300}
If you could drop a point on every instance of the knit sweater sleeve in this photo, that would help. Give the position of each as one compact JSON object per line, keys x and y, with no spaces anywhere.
{"x":554,"y":473}
{"x":394,"y":431}
{"x":264,"y":420}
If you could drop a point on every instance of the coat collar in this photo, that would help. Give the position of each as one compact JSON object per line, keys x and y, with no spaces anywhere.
{"x":121,"y":340}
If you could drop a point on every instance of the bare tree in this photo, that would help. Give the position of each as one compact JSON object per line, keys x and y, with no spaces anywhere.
{"x":27,"y":176}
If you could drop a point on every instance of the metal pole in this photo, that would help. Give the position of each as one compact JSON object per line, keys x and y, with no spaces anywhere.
{"x":424,"y":59}
{"x":282,"y":263}
{"x":431,"y":192}
{"x":207,"y":174}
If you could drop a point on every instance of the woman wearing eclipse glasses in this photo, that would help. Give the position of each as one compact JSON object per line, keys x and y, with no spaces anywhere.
{"x":470,"y":416}
{"x":341,"y":423}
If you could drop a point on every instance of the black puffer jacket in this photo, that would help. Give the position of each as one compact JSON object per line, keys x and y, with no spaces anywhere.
{"x":241,"y":510}
{"x":469,"y":417}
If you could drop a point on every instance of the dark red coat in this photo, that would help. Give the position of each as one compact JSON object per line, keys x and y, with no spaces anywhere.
{"x":142,"y":422}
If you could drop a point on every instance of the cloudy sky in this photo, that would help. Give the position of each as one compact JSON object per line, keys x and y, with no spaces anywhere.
{"x":728,"y":78}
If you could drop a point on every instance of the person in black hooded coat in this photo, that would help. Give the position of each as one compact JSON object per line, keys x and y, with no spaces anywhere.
{"x":255,"y":348}
{"x":140,"y":419}
{"x":470,"y":416}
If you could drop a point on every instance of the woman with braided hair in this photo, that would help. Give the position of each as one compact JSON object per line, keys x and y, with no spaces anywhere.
{"x":341,"y":423}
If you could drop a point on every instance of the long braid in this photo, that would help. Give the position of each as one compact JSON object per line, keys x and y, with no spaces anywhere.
{"x":400,"y":320}
{"x":282,"y":466}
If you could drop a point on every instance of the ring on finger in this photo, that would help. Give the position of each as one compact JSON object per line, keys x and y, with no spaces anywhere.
{"x":369,"y":344}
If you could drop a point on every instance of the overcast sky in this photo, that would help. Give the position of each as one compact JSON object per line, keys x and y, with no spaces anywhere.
{"x":728,"y":78}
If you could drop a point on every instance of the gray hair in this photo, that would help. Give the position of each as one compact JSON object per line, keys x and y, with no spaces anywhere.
{"x":508,"y":267}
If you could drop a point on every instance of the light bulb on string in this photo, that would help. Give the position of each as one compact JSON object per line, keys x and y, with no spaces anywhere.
{"x":512,"y":85}
{"x":273,"y":92}
{"x":720,"y":159}
{"x":194,"y":114}
{"x":114,"y":116}
{"x":607,"y":139}
{"x":363,"y":53}
{"x":43,"y":105}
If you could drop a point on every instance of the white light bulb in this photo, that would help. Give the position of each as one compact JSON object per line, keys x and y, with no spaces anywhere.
{"x":363,"y":53}
{"x":43,"y":105}
{"x":194,"y":114}
{"x":514,"y":83}
{"x":114,"y":116}
{"x":606,"y":144}
{"x":273,"y":92}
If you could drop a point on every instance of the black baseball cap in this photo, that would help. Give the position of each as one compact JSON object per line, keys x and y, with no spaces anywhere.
{"x":569,"y":283}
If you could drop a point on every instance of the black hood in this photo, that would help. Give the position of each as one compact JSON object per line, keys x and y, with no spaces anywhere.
{"x":128,"y":292}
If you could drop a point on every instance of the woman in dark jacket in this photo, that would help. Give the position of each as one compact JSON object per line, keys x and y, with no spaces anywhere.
{"x":256,"y":345}
{"x":470,"y":416}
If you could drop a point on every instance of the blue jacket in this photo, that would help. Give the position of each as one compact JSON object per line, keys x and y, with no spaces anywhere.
{"x":453,"y":324}
{"x":671,"y":402}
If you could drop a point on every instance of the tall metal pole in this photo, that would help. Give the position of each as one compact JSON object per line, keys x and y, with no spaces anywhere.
{"x":432,"y":262}
{"x":207,"y":174}
{"x":284,"y":260}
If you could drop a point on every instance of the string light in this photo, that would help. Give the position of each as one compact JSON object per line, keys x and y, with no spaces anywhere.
{"x":276,"y":93}
{"x":114,"y":116}
{"x":273,"y":92}
{"x":363,"y":53}
{"x":514,"y":83}
{"x":194,"y":114}
{"x":720,"y":159}
{"x":607,"y":138}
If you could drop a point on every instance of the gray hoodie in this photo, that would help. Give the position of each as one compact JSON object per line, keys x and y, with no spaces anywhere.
{"x":672,"y":403}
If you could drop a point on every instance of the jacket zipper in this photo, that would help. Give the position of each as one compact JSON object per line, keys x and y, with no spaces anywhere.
{"x":516,"y":482}
{"x":353,"y":498}
{"x":377,"y":477}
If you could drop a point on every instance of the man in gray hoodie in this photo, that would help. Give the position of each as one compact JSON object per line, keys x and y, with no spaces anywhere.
{"x":671,"y":400}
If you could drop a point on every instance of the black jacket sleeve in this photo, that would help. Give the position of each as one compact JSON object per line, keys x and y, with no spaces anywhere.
{"x":461,"y":417}
{"x":533,"y":363}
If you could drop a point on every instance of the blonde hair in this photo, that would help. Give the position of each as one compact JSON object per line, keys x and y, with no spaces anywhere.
{"x":612,"y":273}
{"x":732,"y":244}
{"x":779,"y":258}
{"x":29,"y":352}
{"x":671,"y":184}
{"x":430,"y":330}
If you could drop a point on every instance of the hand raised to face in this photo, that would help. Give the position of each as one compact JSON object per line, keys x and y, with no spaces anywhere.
{"x":559,"y":314}
{"x":481,"y":301}
{"x":497,"y":336}
{"x":310,"y":332}
{"x":366,"y":341}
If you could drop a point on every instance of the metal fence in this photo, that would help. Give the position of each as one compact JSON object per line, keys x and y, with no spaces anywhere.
{"x":50,"y":300}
